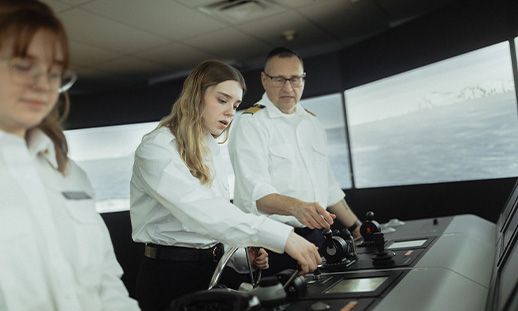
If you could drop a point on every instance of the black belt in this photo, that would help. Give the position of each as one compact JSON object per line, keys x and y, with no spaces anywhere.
{"x":175,"y":253}
{"x":305,"y":231}
{"x":315,"y":236}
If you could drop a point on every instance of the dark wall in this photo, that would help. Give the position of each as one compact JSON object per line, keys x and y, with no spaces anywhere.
{"x":484,"y":198}
{"x":122,"y":106}
{"x":128,"y":253}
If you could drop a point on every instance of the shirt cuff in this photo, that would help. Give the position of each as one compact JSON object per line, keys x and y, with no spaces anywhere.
{"x":274,"y":235}
{"x":258,"y":193}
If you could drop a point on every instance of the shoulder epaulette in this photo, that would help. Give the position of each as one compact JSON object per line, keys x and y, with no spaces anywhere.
{"x":311,"y":113}
{"x":253,"y":109}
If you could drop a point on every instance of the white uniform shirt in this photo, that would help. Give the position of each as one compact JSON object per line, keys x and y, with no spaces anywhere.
{"x":168,"y":206}
{"x":273,"y":152}
{"x":56,"y":251}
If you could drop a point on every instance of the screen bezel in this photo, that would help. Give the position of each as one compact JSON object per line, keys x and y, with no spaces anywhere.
{"x":509,"y":209}
{"x":428,"y":239}
{"x":319,"y":292}
{"x":355,"y":291}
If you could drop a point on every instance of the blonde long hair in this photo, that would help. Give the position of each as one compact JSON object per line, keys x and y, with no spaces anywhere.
{"x":20,"y":20}
{"x":185,"y":119}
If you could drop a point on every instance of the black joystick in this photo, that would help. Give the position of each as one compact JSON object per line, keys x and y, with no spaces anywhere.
{"x":336,"y":251}
{"x":349,"y":240}
{"x":368,"y":228}
{"x":382,"y":257}
{"x":334,"y":247}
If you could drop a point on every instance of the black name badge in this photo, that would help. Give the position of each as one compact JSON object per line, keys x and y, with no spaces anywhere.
{"x":76,"y":195}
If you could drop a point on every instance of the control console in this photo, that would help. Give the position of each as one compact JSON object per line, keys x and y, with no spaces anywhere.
{"x":423,"y":265}
{"x":426,"y":265}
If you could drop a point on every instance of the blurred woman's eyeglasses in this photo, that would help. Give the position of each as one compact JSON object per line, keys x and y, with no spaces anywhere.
{"x":27,"y":71}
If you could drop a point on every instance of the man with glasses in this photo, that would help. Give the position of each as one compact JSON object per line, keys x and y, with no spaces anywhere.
{"x":279,"y":155}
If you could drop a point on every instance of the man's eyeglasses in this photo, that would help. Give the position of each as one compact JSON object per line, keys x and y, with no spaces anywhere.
{"x":26,"y":71}
{"x":279,"y":81}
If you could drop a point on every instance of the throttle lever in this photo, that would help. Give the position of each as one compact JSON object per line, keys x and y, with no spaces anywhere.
{"x":293,"y":276}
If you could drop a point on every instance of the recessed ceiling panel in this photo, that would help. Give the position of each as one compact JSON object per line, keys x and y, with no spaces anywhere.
{"x":342,"y":19}
{"x":128,"y":64}
{"x":100,"y":32}
{"x":82,"y":54}
{"x":161,"y":17}
{"x":409,"y":9}
{"x":176,"y":54}
{"x":56,"y":5}
{"x":273,"y":30}
{"x":229,"y":44}
{"x":236,"y":12}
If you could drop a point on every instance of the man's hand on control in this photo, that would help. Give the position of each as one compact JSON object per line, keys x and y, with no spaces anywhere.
{"x":313,"y":216}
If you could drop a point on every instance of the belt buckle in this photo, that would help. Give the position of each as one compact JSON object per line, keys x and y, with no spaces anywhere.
{"x":150,"y":252}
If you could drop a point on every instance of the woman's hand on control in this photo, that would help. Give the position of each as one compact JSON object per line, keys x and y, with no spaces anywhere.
{"x":303,"y":251}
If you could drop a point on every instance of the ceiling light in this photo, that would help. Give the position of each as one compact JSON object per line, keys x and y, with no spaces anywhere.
{"x":289,"y":35}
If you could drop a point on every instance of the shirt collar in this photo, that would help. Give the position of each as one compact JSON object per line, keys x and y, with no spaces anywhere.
{"x":4,"y":136}
{"x":275,"y":112}
{"x":40,"y":144}
{"x":212,"y":143}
